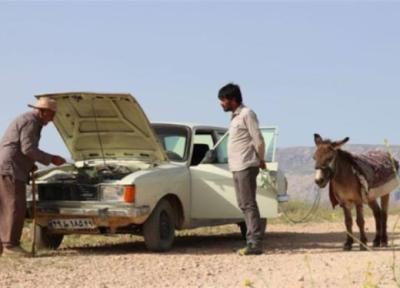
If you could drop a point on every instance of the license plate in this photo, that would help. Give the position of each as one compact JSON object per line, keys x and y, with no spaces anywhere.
{"x":82,"y":223}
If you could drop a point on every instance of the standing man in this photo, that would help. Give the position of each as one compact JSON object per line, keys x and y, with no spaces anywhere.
{"x":246,"y":150}
{"x":18,"y":153}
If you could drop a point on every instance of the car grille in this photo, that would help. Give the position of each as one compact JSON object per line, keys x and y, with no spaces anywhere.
{"x":67,"y":192}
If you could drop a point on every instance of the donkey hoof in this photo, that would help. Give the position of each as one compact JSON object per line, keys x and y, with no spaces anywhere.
{"x":377,"y":243}
{"x":363,"y":247}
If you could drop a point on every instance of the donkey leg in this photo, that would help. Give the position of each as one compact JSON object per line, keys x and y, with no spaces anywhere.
{"x":349,"y":223}
{"x":361,"y":223}
{"x":378,"y":222}
{"x":384,"y":216}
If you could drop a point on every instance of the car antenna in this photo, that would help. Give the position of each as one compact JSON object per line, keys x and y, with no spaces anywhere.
{"x":98,"y":134}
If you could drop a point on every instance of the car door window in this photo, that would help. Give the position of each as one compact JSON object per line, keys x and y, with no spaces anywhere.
{"x":269,"y":135}
{"x":222,"y":151}
{"x":219,"y":134}
{"x":204,"y":139}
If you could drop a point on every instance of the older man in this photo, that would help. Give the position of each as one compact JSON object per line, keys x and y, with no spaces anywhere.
{"x":246,"y":151}
{"x":18,"y":153}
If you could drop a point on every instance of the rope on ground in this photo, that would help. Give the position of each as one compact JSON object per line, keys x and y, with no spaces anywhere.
{"x":268,"y":182}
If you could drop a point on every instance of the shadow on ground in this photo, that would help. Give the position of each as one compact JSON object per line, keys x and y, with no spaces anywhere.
{"x":274,"y":242}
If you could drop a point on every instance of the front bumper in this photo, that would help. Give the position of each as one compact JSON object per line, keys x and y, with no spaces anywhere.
{"x":90,"y":209}
{"x":112,"y":217}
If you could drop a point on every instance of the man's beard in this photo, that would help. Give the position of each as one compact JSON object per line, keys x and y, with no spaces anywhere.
{"x":226,"y":109}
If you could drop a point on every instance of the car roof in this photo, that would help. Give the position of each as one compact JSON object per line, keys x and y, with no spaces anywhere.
{"x":192,"y":125}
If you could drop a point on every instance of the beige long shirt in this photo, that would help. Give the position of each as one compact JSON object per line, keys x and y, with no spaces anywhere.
{"x":19,"y":147}
{"x":246,"y":145}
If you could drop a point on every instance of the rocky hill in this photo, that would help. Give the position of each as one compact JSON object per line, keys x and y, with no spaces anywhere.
{"x":298,"y":165}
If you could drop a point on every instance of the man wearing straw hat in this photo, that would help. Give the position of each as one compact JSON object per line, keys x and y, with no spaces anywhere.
{"x":18,"y":153}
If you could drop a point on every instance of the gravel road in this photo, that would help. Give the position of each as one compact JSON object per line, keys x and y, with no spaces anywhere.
{"x":306,"y":255}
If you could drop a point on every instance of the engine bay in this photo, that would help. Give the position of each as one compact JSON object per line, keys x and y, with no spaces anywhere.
{"x":86,"y":174}
{"x":79,"y":183}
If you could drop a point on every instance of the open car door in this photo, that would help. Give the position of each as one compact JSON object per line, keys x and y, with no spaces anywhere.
{"x":213,"y":195}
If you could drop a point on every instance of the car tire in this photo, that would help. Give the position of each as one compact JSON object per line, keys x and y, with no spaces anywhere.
{"x":159,"y":228}
{"x":243,"y":227}
{"x":45,"y":240}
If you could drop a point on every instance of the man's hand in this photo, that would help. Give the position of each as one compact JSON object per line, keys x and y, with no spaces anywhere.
{"x":57,"y":160}
{"x":263,"y":165}
{"x":32,"y":174}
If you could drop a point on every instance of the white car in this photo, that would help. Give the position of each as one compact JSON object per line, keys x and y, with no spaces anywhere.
{"x":130,"y":176}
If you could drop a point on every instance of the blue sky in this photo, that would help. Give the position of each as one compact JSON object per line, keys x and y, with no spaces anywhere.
{"x":328,"y":67}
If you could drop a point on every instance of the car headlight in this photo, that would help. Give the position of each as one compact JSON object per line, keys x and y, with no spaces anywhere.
{"x":112,"y":192}
{"x":118,"y":193}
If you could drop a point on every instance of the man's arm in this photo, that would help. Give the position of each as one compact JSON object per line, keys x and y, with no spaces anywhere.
{"x":255,"y":134}
{"x":29,"y":139}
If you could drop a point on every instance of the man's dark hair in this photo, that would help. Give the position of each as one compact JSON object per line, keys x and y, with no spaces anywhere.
{"x":230,"y":91}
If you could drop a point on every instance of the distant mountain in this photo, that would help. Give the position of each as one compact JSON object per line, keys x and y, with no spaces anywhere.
{"x":298,"y":165}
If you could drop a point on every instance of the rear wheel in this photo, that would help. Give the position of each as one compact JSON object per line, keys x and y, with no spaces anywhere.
{"x":243,"y":227}
{"x":46,"y":240}
{"x":159,"y":229}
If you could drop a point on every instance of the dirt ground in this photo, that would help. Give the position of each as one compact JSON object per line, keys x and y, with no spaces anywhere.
{"x":303,"y":255}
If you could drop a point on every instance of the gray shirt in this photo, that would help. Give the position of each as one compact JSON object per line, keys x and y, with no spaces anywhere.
{"x":19,"y":147}
{"x":246,"y":142}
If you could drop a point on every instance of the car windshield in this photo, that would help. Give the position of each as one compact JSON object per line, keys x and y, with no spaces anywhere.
{"x":174,"y":140}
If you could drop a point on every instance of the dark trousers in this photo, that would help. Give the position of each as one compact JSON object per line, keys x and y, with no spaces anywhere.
{"x":246,"y":187}
{"x":12,"y":210}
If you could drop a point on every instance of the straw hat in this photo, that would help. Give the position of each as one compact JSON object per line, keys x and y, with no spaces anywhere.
{"x":45,"y":103}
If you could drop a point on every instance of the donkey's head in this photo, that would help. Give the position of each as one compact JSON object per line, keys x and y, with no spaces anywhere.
{"x":325,"y":156}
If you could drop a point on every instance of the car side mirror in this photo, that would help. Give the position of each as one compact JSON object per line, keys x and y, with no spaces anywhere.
{"x":210,"y":157}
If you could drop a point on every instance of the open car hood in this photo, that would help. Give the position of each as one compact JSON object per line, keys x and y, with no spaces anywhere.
{"x":97,"y":125}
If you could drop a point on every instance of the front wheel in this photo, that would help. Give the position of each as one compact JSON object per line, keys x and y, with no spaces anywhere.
{"x":159,"y":228}
{"x":46,"y":240}
{"x":243,"y":227}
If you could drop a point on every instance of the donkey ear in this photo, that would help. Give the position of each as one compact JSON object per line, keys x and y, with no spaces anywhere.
{"x":317,"y":139}
{"x":338,"y":144}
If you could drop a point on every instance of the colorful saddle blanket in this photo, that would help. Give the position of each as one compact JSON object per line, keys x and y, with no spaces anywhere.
{"x":377,"y":167}
{"x":373,"y":169}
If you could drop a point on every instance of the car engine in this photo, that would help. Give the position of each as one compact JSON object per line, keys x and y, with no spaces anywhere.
{"x":79,"y":183}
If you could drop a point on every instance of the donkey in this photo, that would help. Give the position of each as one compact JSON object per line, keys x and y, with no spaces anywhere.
{"x":341,"y":170}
